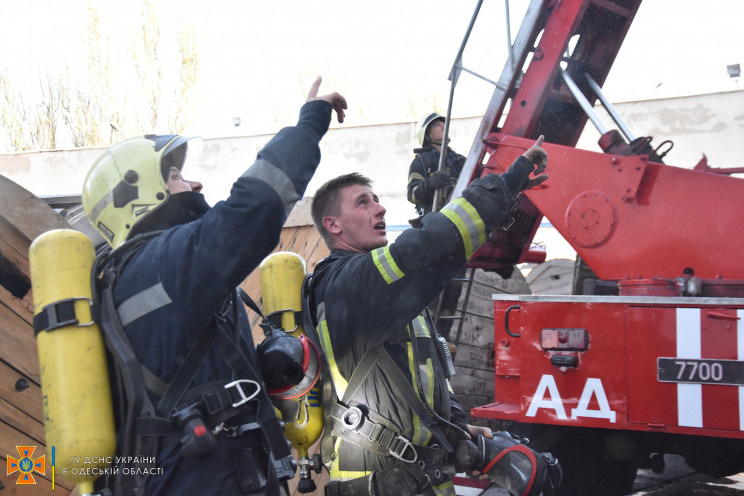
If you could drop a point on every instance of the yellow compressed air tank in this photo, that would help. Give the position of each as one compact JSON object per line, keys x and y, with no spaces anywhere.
{"x":78,"y":413}
{"x":281,"y":276}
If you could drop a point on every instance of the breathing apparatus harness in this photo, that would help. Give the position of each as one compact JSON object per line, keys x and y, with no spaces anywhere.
{"x":156,"y":413}
{"x":507,"y":459}
{"x":417,"y":466}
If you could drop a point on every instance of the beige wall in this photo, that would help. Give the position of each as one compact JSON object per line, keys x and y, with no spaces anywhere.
{"x":711,"y":124}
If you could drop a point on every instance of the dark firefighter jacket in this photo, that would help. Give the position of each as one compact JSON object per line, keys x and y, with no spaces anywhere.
{"x":170,"y":290}
{"x":367,"y":300}
{"x":424,"y":164}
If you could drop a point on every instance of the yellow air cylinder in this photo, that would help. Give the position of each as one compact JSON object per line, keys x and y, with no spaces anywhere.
{"x":78,"y":413}
{"x":281,"y":277}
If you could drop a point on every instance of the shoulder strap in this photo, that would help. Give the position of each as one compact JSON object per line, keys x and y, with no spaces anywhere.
{"x":270,"y":427}
{"x":186,"y":372}
{"x":367,"y":362}
{"x":127,"y":374}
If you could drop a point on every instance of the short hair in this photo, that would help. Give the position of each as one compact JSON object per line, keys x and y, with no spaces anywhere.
{"x":327,"y":201}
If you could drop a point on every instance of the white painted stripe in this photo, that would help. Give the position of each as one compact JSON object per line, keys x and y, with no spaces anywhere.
{"x":468,"y":491}
{"x":689,"y":345}
{"x":740,"y":356}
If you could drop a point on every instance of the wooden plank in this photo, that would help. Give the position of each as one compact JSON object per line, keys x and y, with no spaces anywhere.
{"x":22,"y":421}
{"x":296,"y":242}
{"x":18,"y":344}
{"x":516,"y":284}
{"x":30,"y":214}
{"x":300,"y":214}
{"x":317,"y":252}
{"x":474,"y":357}
{"x":470,"y":401}
{"x":23,"y":308}
{"x":15,"y":244}
{"x":27,"y":400}
{"x":476,"y":331}
{"x":476,"y":304}
{"x":473,"y":381}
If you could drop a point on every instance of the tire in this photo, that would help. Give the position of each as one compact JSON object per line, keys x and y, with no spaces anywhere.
{"x":589,"y":471}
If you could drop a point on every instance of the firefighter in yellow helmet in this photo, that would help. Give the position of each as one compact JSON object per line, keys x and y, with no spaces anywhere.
{"x":424,"y":176}
{"x":193,"y":409}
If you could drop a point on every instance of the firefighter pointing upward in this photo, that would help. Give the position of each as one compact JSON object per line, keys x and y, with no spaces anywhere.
{"x":170,"y":286}
{"x":394,"y":424}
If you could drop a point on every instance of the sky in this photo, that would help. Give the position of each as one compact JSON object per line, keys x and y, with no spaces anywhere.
{"x":390,"y":58}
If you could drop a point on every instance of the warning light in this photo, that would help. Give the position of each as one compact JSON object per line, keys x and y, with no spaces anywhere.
{"x":564,"y":339}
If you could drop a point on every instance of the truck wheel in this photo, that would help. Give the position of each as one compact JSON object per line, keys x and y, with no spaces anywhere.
{"x":589,"y":471}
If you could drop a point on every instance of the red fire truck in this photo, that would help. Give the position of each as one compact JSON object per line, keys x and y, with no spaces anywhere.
{"x":647,"y":357}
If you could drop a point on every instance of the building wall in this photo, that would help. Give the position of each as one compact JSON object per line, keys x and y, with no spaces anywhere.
{"x":712,"y":124}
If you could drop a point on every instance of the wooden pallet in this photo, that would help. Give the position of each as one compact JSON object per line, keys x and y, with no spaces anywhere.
{"x":23,"y":217}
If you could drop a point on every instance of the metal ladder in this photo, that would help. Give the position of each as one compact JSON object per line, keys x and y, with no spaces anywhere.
{"x":509,"y":76}
{"x":459,"y":315}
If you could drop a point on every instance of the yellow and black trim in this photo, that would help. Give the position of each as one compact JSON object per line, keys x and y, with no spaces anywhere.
{"x":385,"y":264}
{"x":468,"y":222}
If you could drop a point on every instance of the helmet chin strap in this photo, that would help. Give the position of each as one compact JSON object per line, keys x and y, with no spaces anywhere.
{"x":438,"y":143}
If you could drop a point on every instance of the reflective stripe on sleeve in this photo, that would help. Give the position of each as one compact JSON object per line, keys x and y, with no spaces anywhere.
{"x":468,"y":222}
{"x":277,"y":179}
{"x":386,"y":265}
{"x":142,"y":303}
{"x":415,"y":176}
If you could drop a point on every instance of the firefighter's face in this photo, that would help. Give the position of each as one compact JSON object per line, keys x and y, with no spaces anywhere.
{"x":360,"y":225}
{"x":177,"y":184}
{"x":436,"y":131}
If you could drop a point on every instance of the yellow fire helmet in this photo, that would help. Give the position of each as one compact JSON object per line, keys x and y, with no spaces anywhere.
{"x":128,"y":182}
{"x":423,"y":126}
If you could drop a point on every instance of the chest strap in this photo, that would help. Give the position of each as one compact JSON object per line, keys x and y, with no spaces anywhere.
{"x":372,"y":431}
{"x":379,"y":435}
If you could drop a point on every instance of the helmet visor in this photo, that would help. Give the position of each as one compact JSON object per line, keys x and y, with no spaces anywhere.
{"x":181,"y":152}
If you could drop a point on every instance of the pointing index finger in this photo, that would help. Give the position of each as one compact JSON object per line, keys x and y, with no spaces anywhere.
{"x":314,"y":89}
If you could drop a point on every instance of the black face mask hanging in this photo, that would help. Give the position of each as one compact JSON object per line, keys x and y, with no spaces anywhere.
{"x":180,"y":208}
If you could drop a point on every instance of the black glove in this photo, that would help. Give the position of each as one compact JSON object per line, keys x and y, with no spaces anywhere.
{"x":535,"y":159}
{"x":491,"y":197}
{"x":437,"y":180}
{"x":518,"y":176}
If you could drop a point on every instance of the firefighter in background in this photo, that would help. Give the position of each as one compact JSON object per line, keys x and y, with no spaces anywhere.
{"x":393,"y":422}
{"x":424,"y":178}
{"x":175,"y":297}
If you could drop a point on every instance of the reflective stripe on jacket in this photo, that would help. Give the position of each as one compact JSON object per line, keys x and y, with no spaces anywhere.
{"x":366,"y":300}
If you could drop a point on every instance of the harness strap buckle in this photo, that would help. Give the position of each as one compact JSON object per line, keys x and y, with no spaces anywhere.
{"x":352,"y":418}
{"x":238,"y":385}
{"x":236,"y":430}
{"x":61,"y":313}
{"x":403,"y":447}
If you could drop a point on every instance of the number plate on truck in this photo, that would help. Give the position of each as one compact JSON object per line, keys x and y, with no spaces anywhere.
{"x":696,"y":371}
